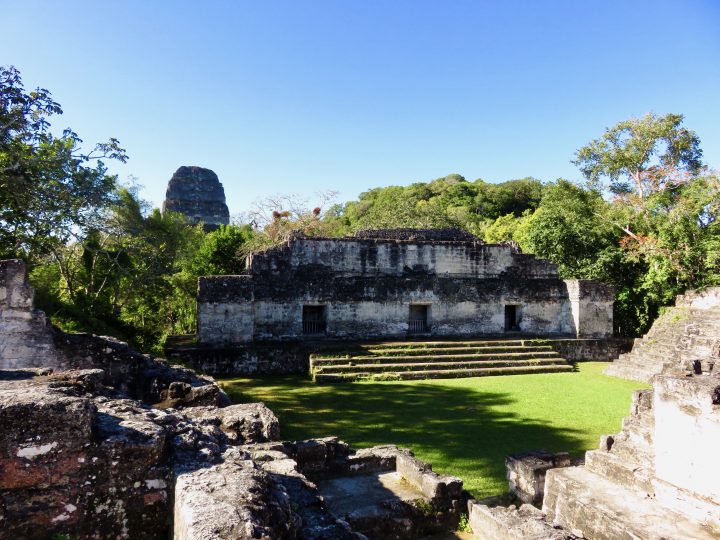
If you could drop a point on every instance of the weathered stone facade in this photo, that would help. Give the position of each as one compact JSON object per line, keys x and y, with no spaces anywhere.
{"x":198,"y":194}
{"x":423,"y":282}
{"x":25,"y":338}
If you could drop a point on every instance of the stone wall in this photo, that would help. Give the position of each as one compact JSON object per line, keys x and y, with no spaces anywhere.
{"x":25,"y":339}
{"x":367,"y":286}
{"x":598,"y":350}
{"x":687,"y":436}
{"x":245,"y":359}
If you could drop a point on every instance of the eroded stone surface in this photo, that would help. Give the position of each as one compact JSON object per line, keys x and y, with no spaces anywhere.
{"x":198,"y":194}
{"x":512,"y":523}
{"x":25,"y":338}
{"x":525,"y":473}
{"x":685,"y":337}
{"x":244,"y":423}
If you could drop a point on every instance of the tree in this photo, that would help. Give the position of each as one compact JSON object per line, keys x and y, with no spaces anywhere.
{"x":220,"y":251}
{"x":51,"y":191}
{"x":568,"y":229}
{"x":511,"y":197}
{"x":641,"y":155}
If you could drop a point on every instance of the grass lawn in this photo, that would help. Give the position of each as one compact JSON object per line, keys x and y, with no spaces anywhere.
{"x":464,"y":427}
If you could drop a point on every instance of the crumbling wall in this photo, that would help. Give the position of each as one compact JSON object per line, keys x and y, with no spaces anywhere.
{"x":25,"y":339}
{"x":367,"y":286}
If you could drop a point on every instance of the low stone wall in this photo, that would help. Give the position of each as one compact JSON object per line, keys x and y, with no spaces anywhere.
{"x":141,"y":376}
{"x":601,"y":350}
{"x":252,"y":359}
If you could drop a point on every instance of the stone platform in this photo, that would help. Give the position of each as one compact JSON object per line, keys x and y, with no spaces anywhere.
{"x":286,"y":357}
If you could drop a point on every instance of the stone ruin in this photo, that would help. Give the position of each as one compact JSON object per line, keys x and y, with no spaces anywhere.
{"x":82,"y":459}
{"x":657,"y":478}
{"x":198,"y":194}
{"x":26,"y":333}
{"x":686,"y":336}
{"x":111,"y":443}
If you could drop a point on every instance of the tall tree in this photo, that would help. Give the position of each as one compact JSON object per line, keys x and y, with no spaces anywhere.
{"x":51,"y":190}
{"x":641,"y":155}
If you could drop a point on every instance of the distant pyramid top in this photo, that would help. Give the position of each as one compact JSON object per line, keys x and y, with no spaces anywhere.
{"x":197,"y":193}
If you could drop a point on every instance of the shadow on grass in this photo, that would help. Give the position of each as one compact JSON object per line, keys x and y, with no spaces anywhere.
{"x":461,"y":431}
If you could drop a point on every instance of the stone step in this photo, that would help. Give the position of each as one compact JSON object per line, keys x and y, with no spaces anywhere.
{"x":430,"y":358}
{"x":639,"y":429}
{"x":629,"y":451}
{"x":442,"y":374}
{"x":620,"y":470}
{"x":455,"y":350}
{"x":631,"y":372}
{"x":450,"y":343}
{"x":375,"y":368}
{"x":591,"y":506}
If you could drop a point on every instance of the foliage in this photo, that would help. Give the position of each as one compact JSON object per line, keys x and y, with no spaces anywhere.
{"x":639,"y":155}
{"x":450,"y":201}
{"x":485,"y":418}
{"x":275,"y":219}
{"x":51,"y":192}
{"x":220,"y":251}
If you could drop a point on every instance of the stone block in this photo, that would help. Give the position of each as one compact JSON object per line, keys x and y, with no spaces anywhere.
{"x":525,"y":473}
{"x":511,"y":523}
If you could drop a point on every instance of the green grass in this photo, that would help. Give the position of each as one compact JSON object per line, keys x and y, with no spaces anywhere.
{"x":464,"y":427}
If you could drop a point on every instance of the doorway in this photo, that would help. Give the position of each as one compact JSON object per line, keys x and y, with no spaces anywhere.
{"x":418,"y":320}
{"x":313,"y":320}
{"x":512,"y":318}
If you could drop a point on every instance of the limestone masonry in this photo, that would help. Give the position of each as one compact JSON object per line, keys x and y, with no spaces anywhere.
{"x":110,"y":443}
{"x":391,"y":284}
{"x":25,"y":338}
{"x":197,"y":193}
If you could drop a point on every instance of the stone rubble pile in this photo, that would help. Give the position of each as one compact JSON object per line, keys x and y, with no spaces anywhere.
{"x":81,"y":459}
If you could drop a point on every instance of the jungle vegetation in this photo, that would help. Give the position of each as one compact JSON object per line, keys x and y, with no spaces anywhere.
{"x":642,"y":215}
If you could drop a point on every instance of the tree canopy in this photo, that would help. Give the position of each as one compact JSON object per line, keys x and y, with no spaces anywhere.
{"x":641,"y":155}
{"x":51,"y":190}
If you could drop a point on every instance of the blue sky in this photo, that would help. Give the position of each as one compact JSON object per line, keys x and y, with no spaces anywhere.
{"x":300,"y":97}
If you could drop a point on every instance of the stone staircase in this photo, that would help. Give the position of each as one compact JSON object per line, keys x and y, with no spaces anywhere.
{"x":686,"y":336}
{"x":614,"y":494}
{"x":436,"y":360}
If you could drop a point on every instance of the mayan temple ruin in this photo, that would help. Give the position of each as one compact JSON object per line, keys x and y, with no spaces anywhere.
{"x":100,"y":441}
{"x":198,"y":194}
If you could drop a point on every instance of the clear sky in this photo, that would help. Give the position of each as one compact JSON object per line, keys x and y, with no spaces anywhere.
{"x":347,"y":95}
